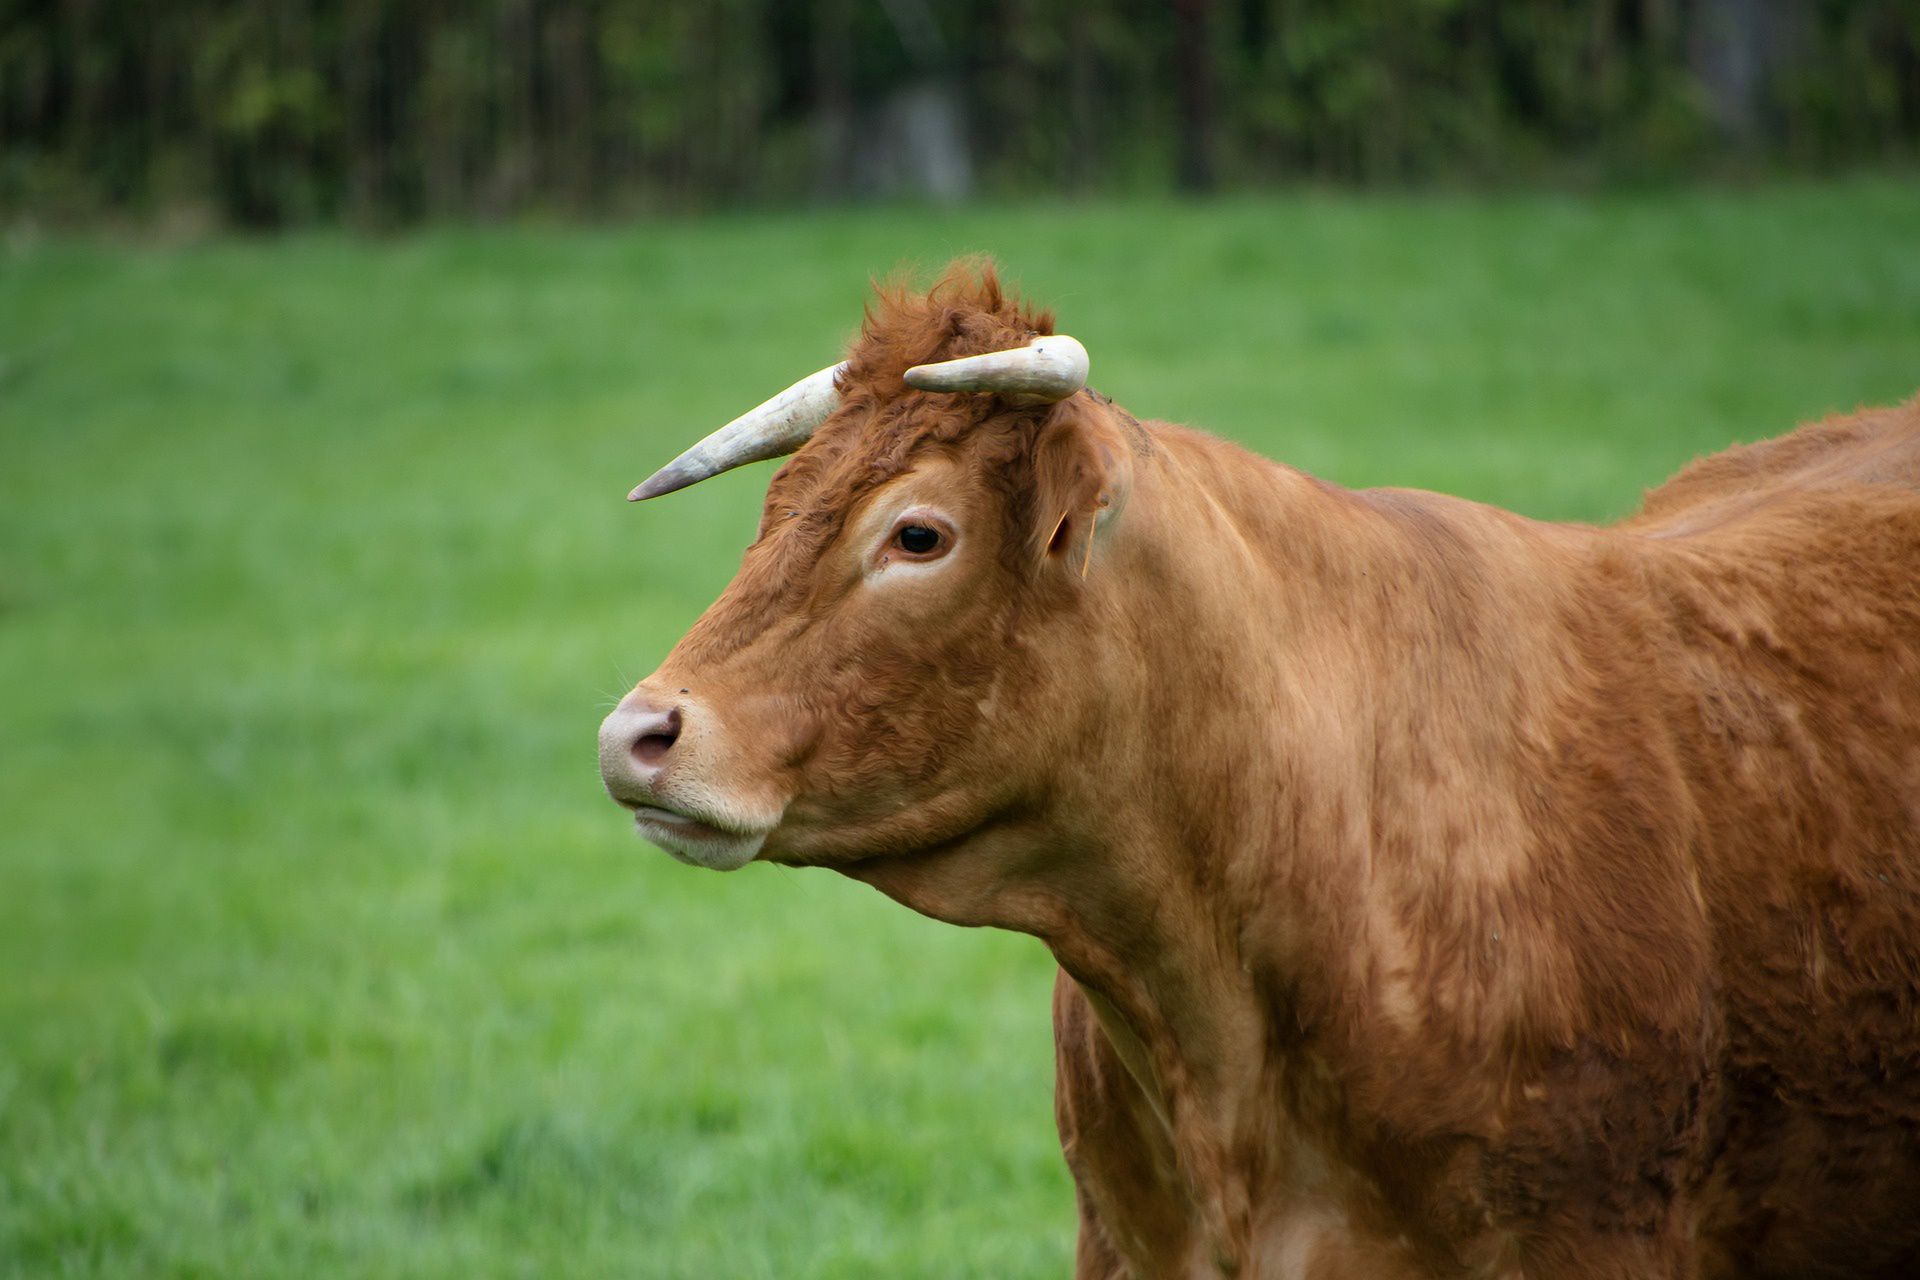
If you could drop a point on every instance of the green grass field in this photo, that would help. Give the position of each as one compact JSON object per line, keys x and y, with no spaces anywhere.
{"x":321,"y":951}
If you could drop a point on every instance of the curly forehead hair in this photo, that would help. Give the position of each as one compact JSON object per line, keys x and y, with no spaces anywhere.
{"x":965,"y":313}
{"x":881,"y":426}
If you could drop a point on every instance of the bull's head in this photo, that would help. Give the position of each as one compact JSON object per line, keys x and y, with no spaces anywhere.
{"x":898,"y":667}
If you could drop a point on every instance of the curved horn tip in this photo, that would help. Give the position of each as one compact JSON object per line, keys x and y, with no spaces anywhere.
{"x":771,"y":429}
{"x":927,"y":377}
{"x":667,"y":479}
{"x":1050,"y":368}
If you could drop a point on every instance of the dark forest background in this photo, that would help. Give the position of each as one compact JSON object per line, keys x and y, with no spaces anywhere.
{"x":379,"y":112}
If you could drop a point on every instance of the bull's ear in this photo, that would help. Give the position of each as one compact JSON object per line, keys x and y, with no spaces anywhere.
{"x":1083,"y":472}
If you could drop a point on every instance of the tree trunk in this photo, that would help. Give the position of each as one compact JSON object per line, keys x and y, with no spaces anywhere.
{"x":1193,"y":88}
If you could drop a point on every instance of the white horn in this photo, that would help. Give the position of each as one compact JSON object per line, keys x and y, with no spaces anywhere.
{"x":1046,"y":368}
{"x":770,"y":430}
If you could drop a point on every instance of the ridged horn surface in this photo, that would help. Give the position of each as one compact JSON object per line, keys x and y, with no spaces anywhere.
{"x":769,"y":430}
{"x":1046,"y":368}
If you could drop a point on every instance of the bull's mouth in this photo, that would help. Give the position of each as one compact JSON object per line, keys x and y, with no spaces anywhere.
{"x":683,"y":822}
{"x":695,"y":841}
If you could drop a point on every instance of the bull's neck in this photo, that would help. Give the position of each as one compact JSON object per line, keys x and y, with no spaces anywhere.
{"x":1205,"y":869}
{"x":1189,"y":803}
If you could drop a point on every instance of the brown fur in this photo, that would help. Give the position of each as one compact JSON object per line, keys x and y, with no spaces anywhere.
{"x":1436,"y":892}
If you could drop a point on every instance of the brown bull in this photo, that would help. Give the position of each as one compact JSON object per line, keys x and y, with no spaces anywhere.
{"x":1436,"y":892}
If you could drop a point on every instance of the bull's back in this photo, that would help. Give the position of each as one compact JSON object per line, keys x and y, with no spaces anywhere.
{"x":1790,"y":596}
{"x":1873,"y":448}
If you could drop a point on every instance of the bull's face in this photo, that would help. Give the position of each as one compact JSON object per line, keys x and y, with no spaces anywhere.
{"x":869,"y":683}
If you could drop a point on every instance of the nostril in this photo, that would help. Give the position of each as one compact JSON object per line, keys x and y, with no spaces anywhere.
{"x":652,"y":746}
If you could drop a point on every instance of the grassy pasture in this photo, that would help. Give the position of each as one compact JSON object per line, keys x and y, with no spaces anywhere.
{"x":321,"y":952}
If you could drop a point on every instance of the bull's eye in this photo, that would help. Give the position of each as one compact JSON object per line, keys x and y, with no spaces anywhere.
{"x":918,"y":539}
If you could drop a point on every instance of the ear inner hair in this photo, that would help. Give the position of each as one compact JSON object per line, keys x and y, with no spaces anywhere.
{"x":1053,"y":539}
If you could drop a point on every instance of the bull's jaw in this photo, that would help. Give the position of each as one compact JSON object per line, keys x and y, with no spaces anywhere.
{"x":695,"y":843}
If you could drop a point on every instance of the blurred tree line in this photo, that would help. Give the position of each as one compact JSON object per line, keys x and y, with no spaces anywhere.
{"x":379,"y":111}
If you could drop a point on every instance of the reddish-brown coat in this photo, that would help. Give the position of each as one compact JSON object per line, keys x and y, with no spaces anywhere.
{"x":1436,"y":892}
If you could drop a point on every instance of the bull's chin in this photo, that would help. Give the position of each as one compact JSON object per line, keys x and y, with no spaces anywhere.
{"x":695,"y":843}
